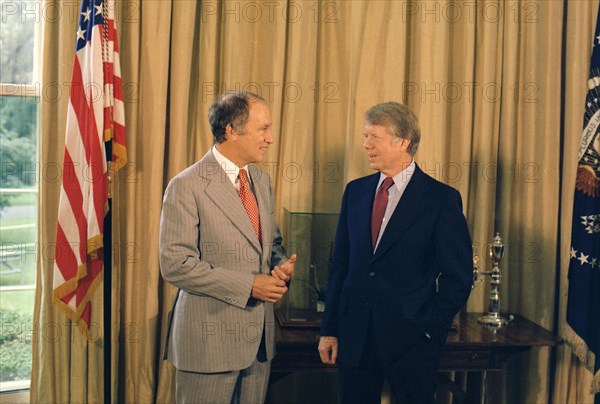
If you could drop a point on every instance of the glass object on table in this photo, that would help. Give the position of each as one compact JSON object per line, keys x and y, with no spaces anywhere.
{"x":311,"y":236}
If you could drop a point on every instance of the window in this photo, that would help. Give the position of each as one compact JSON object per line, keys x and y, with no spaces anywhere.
{"x":19,"y":102}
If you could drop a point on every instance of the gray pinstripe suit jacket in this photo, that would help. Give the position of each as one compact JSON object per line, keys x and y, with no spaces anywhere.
{"x":209,"y":250}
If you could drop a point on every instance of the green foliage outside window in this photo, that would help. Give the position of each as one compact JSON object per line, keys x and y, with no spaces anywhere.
{"x":15,"y":345}
{"x":17,"y":144}
{"x":18,"y":183}
{"x":17,"y":32}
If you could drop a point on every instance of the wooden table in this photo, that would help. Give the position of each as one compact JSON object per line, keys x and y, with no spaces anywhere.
{"x":470,"y":346}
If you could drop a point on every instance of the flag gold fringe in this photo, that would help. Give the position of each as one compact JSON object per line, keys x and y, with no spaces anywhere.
{"x":76,"y":315}
{"x":121,"y":156}
{"x":585,"y":355}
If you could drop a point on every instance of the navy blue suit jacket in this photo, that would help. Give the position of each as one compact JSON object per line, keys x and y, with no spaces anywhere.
{"x":394,"y":291}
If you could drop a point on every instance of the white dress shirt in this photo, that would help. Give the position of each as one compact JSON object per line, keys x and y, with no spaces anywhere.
{"x":231,"y":169}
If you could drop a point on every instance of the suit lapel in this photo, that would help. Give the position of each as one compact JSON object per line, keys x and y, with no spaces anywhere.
{"x":221,"y":191}
{"x":362,"y":216}
{"x":410,"y":206}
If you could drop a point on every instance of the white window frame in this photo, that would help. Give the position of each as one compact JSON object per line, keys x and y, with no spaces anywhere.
{"x":18,"y":391}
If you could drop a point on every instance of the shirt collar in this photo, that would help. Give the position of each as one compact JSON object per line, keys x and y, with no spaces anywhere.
{"x":401,"y":179}
{"x":230,"y":168}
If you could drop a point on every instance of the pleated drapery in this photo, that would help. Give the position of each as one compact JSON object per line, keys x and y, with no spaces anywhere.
{"x":498,"y":87}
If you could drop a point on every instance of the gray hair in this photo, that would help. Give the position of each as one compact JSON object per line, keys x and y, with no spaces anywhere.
{"x":231,"y":108}
{"x":399,"y":120}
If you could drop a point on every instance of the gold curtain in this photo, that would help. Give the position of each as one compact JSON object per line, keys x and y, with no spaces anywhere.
{"x":499,"y":89}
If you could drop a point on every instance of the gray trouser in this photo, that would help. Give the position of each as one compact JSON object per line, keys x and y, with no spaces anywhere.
{"x":246,"y":386}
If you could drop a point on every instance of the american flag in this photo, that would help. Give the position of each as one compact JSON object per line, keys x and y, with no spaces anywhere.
{"x":95,"y":115}
{"x":583,"y":304}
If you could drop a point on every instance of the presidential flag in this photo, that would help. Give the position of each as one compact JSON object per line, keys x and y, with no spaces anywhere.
{"x":583,"y":305}
{"x":95,"y":115}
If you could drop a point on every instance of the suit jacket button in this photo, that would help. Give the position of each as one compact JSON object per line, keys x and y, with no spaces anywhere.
{"x":372,"y":274}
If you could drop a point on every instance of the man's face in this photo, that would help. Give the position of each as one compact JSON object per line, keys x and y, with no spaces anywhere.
{"x":386,"y":152}
{"x":253,"y":144}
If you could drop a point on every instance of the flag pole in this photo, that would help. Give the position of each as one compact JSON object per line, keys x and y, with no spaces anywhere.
{"x":107,"y":236}
{"x":114,"y":136}
{"x":107,"y":295}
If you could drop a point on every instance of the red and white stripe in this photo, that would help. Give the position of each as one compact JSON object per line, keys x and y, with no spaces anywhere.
{"x":84,"y":192}
{"x":114,"y":109}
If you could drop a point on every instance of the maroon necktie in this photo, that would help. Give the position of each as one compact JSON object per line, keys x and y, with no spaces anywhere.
{"x":381,"y":201}
{"x":249,"y":202}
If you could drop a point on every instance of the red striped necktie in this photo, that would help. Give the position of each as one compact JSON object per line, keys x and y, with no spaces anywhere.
{"x":379,"y":207}
{"x":249,"y":202}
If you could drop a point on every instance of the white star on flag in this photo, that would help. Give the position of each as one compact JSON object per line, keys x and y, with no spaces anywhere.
{"x":86,"y":15}
{"x":583,"y":258}
{"x":573,"y":253}
{"x":81,"y":34}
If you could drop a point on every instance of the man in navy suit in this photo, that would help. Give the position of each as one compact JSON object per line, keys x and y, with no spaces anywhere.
{"x":401,"y":269}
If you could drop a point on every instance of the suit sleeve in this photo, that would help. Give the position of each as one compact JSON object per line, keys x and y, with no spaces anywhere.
{"x":337,"y":272}
{"x":454,"y":256}
{"x":180,"y":261}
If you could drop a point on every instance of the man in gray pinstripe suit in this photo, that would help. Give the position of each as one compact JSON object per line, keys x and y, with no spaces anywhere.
{"x":229,"y":264}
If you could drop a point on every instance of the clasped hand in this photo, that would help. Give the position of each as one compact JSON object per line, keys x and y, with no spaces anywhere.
{"x":271,"y":288}
{"x":328,"y":349}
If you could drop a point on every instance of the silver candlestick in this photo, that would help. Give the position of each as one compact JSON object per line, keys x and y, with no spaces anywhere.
{"x":493,"y":316}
